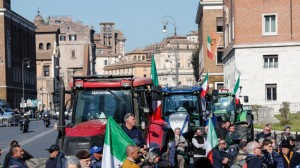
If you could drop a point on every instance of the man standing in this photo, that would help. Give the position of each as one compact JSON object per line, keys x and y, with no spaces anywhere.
{"x":132,"y":153}
{"x":96,"y":157}
{"x":181,"y":145}
{"x":254,"y":153}
{"x":56,"y":159}
{"x":199,"y":146}
{"x":15,"y":161}
{"x":133,"y":132}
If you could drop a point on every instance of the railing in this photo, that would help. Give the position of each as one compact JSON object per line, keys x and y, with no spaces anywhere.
{"x":277,"y":135}
{"x":294,"y":107}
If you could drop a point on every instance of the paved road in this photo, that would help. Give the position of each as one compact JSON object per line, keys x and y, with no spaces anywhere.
{"x":35,"y":141}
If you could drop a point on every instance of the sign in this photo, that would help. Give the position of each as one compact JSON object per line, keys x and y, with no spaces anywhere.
{"x":23,"y":105}
{"x":34,"y":103}
{"x":29,"y":103}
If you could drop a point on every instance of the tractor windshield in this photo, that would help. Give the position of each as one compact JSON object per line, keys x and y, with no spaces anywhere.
{"x":224,"y":102}
{"x":100,"y":104}
{"x":181,"y":103}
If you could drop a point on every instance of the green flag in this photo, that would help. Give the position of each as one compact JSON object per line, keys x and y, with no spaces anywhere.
{"x":154,"y":73}
{"x":115,"y":143}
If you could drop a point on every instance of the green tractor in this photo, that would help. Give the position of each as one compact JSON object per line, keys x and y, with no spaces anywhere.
{"x":223,"y":104}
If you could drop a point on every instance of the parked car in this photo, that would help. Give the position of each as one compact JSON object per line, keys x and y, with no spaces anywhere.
{"x":6,"y":116}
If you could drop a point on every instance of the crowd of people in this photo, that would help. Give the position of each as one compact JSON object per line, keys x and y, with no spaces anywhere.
{"x":231,"y":151}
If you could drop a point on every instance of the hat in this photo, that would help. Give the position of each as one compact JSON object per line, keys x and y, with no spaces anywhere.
{"x":285,"y":144}
{"x":95,"y":149}
{"x":53,"y":148}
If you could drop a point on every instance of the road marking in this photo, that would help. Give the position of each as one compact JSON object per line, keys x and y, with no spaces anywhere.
{"x":30,"y":139}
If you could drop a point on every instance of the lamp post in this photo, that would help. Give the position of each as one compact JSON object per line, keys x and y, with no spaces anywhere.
{"x":27,"y":61}
{"x":170,"y":20}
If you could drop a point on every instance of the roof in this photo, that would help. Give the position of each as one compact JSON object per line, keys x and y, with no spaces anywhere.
{"x":47,"y":28}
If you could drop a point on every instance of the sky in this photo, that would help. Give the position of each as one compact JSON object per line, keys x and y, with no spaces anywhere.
{"x":139,"y":20}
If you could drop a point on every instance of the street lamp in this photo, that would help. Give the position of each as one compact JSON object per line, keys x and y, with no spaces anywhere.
{"x":27,"y":61}
{"x":172,"y":21}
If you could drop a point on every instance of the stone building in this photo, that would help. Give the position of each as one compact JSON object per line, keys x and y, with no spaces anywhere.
{"x":17,"y":56}
{"x":110,"y":46}
{"x":47,"y":62}
{"x":210,"y":19}
{"x":77,"y":48}
{"x":165,"y":53}
{"x":262,"y":45}
{"x":135,"y":63}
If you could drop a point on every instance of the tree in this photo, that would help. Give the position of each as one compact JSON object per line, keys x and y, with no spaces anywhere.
{"x":195,"y":63}
{"x":285,"y":113}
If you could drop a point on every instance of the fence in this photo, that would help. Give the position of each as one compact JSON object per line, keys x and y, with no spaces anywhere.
{"x":294,"y":107}
{"x":9,"y":121}
{"x":277,"y":135}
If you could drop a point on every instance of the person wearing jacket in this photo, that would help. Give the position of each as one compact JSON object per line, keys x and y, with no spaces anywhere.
{"x":16,"y":161}
{"x":220,"y":157}
{"x":181,"y":145}
{"x":56,"y":159}
{"x":270,"y":157}
{"x":286,"y":153}
{"x":295,"y":160}
{"x":254,"y":152}
{"x":26,"y":155}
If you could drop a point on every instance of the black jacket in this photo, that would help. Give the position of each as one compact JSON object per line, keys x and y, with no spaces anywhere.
{"x":58,"y":162}
{"x":295,"y":161}
{"x":26,"y":156}
{"x":253,"y":161}
{"x":17,"y":163}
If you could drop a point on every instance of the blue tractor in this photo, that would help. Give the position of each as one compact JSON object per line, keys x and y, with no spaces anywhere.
{"x":182,"y":107}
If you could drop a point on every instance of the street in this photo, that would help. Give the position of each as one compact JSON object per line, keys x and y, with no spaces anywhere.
{"x":35,"y":141}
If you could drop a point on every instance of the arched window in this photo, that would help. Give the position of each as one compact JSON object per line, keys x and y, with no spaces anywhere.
{"x":143,"y":58}
{"x":48,"y":46}
{"x":41,"y":46}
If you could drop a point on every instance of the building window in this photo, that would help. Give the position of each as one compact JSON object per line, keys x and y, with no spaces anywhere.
{"x":219,"y":57}
{"x":72,"y":37}
{"x":46,"y":70}
{"x":145,"y":75}
{"x":48,"y":46}
{"x":220,"y":24}
{"x":73,"y":54}
{"x":270,"y":61}
{"x":41,"y":46}
{"x":62,"y":38}
{"x":270,"y":25}
{"x":105,"y":62}
{"x":271,"y":92}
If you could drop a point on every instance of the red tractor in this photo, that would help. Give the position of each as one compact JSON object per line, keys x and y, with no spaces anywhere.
{"x":94,"y":99}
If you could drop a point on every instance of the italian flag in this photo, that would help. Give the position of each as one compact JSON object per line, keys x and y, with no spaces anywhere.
{"x":210,"y":54}
{"x":115,"y":143}
{"x":211,"y":140}
{"x":236,"y":90}
{"x":154,"y":73}
{"x":205,"y":86}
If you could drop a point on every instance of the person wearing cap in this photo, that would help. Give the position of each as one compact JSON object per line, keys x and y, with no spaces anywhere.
{"x":286,"y":153}
{"x":84,"y":158}
{"x":56,"y":159}
{"x":16,"y":157}
{"x":96,"y":157}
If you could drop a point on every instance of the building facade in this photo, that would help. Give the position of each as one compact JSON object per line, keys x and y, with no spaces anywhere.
{"x":47,"y":62}
{"x":110,"y":46}
{"x":210,"y":20}
{"x":262,"y":45}
{"x":134,"y":63}
{"x":17,"y":56}
{"x":165,"y":54}
{"x":77,"y":48}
